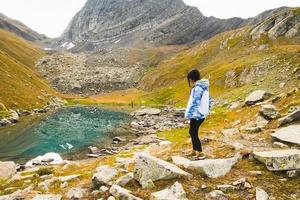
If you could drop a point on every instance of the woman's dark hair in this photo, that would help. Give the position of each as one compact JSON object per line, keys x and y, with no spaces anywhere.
{"x":193,"y":75}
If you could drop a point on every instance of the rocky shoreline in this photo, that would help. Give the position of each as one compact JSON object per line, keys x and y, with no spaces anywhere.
{"x":15,"y":115}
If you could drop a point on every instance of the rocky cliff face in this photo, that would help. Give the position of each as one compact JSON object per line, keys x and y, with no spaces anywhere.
{"x":103,"y":23}
{"x":20,"y":29}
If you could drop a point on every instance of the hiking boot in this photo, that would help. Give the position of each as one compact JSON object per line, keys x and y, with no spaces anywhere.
{"x":199,"y":156}
{"x":191,"y":153}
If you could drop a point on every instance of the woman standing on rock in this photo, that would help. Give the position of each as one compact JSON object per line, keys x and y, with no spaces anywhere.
{"x":197,"y":110}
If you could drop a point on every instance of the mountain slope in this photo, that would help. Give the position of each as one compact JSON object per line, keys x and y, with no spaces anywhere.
{"x":236,"y":62}
{"x":105,"y":23}
{"x":20,"y":29}
{"x":20,"y":85}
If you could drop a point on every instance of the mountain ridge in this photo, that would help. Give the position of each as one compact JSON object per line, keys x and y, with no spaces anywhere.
{"x":103,"y":24}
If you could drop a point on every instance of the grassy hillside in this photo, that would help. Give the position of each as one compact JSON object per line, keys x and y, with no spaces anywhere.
{"x":20,"y":85}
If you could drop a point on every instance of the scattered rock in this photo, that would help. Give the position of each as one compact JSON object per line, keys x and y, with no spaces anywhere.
{"x":280,"y":145}
{"x":68,"y":178}
{"x":253,"y":129}
{"x":216,"y":195}
{"x":226,"y":188}
{"x":289,"y":134}
{"x":212,"y":168}
{"x":121,"y":193}
{"x":230,"y":132}
{"x":46,"y":185}
{"x":14,"y":116}
{"x":151,"y":168}
{"x":104,"y":175}
{"x":7,"y":169}
{"x":76,"y":193}
{"x":124,"y":180}
{"x":103,"y":189}
{"x":280,"y":160}
{"x":261,"y":194}
{"x":148,"y":184}
{"x":261,"y":122}
{"x":147,"y":111}
{"x":256,"y":96}
{"x":258,"y":173}
{"x":293,"y":173}
{"x":292,"y":117}
{"x":111,"y":198}
{"x":94,"y":150}
{"x":47,"y":197}
{"x":242,"y":184}
{"x":175,"y":192}
{"x":269,"y":112}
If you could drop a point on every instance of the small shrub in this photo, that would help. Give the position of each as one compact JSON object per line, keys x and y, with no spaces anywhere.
{"x":45,"y":171}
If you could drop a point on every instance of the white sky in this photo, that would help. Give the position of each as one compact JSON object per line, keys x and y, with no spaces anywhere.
{"x":51,"y":17}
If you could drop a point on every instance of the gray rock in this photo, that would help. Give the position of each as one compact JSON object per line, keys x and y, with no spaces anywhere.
{"x":148,"y":185}
{"x":104,"y":175}
{"x":103,"y":189}
{"x":47,"y":197}
{"x":261,"y":194}
{"x":147,"y":111}
{"x":255,"y":97}
{"x":226,"y":188}
{"x":14,"y":116}
{"x":216,"y":195}
{"x":69,"y":178}
{"x":175,"y":192}
{"x":7,"y":169}
{"x":279,"y":160}
{"x":289,"y":134}
{"x":46,"y":185}
{"x":269,"y":111}
{"x":230,"y":132}
{"x":76,"y":193}
{"x":121,"y":193}
{"x":280,"y":145}
{"x":151,"y":168}
{"x":212,"y":168}
{"x":261,"y":122}
{"x":293,"y":173}
{"x":124,"y":180}
{"x":292,"y":117}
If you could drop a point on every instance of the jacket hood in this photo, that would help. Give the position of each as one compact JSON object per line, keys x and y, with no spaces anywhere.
{"x":204,"y":83}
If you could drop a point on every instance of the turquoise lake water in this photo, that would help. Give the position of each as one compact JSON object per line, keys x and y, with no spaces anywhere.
{"x":66,"y":131}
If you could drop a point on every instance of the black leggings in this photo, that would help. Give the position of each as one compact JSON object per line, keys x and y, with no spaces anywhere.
{"x":194,"y":128}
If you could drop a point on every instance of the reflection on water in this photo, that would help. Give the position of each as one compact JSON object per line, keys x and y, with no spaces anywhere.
{"x":65,"y":131}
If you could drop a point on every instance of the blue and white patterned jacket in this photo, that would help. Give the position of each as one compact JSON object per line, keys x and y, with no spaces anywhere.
{"x":199,"y":103}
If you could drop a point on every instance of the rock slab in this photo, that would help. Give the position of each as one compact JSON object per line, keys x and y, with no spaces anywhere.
{"x":121,"y":193}
{"x":289,"y":134}
{"x":280,"y":160}
{"x":47,"y":197}
{"x":104,"y":175}
{"x":151,"y":168}
{"x":175,"y":192}
{"x":212,"y":168}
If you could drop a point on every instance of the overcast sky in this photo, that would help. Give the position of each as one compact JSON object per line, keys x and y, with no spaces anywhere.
{"x":51,"y":17}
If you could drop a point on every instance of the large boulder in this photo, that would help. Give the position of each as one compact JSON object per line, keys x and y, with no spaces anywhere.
{"x":269,"y":111}
{"x":147,"y":111}
{"x":256,"y":96}
{"x":289,"y":134}
{"x":47,"y":197}
{"x":103,"y":176}
{"x":150,"y":168}
{"x":175,"y":192}
{"x":7,"y":169}
{"x":121,"y":193}
{"x":292,"y":117}
{"x":212,"y":168}
{"x":279,"y":160}
{"x":48,"y":158}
